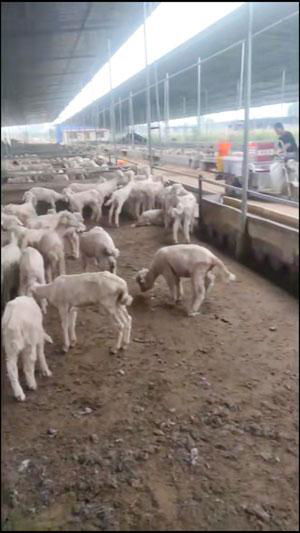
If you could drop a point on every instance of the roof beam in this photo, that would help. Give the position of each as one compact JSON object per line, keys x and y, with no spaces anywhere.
{"x":15,"y":35}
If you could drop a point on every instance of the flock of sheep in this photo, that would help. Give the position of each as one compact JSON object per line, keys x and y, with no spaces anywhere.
{"x":33,"y":262}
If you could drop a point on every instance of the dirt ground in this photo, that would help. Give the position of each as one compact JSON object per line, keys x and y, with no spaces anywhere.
{"x":195,"y":427}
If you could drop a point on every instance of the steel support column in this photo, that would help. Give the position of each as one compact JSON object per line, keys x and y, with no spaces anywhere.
{"x":282,"y":89}
{"x":166,"y":107}
{"x":199,"y":96}
{"x":157,"y":101}
{"x":131,"y":119}
{"x":240,"y":249}
{"x":148,"y":101}
{"x":120,"y":116}
{"x":112,"y":107}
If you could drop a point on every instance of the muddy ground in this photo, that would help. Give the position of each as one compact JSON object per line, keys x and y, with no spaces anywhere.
{"x":194,"y":427}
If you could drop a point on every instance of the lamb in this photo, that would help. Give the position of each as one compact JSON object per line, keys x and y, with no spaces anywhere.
{"x":79,"y":187}
{"x":50,"y":221}
{"x":10,"y":270}
{"x":145,"y":193}
{"x":154,"y":217}
{"x":9,"y":221}
{"x":20,"y":179}
{"x":51,"y":245}
{"x":169,"y":198}
{"x":24,"y":335}
{"x":97,"y":244}
{"x":42,"y":194}
{"x":79,"y":200}
{"x":118,"y":199}
{"x":183,"y":216}
{"x":185,"y":261}
{"x":109,"y":186}
{"x":68,"y":292}
{"x":32,"y":271}
{"x":23,"y":212}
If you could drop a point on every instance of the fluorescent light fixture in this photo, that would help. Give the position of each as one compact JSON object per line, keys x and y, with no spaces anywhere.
{"x":168,"y":26}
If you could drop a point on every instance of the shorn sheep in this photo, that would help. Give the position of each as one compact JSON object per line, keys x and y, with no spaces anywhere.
{"x":32,"y":271}
{"x":23,"y":335}
{"x":97,"y":244}
{"x":68,"y":292}
{"x":183,"y":216}
{"x":10,"y":271}
{"x":185,"y":261}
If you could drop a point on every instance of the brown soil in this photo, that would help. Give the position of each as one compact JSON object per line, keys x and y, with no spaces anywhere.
{"x":224,"y":383}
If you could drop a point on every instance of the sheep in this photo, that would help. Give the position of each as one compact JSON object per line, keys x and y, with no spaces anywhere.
{"x":109,"y":186}
{"x":24,"y":335}
{"x":79,"y":187}
{"x":32,"y":271}
{"x":51,"y":244}
{"x":154,"y":217}
{"x":71,"y":241}
{"x":10,"y":261}
{"x":9,"y":221}
{"x":23,"y":212}
{"x":183,"y":216}
{"x":118,"y":199}
{"x":42,"y":194}
{"x":79,"y":200}
{"x":20,"y":179}
{"x":50,"y":221}
{"x":184,"y":261}
{"x":169,"y":198}
{"x":68,"y":292}
{"x":97,"y":244}
{"x":146,"y":192}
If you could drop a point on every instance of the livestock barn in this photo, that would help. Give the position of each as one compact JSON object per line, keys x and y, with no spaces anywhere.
{"x":149,"y":266}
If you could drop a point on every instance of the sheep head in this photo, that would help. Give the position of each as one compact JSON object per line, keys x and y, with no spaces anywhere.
{"x":141,"y":279}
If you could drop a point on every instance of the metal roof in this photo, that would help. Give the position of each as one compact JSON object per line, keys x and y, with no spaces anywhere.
{"x":274,"y":51}
{"x":50,"y":50}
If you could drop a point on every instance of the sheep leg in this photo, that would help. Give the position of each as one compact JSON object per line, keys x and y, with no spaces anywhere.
{"x":64,"y":317}
{"x":61,"y":265}
{"x":119,"y":320}
{"x":110,"y":214}
{"x":29,"y":359}
{"x":117,"y":215}
{"x":176,"y":225}
{"x":186,"y":229}
{"x":84,"y":262}
{"x":42,"y":360}
{"x":209,"y":281}
{"x":48,"y":272}
{"x":179,"y":289}
{"x":198,"y":292}
{"x":172,"y":283}
{"x":128,"y":320}
{"x":13,"y":374}
{"x":112,"y":265}
{"x":72,"y":325}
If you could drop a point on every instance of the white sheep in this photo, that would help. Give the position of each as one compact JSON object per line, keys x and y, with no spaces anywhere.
{"x":185,"y":261}
{"x":91,"y":197}
{"x":154,"y":217}
{"x":23,"y":212}
{"x":23,"y":335}
{"x":50,"y":221}
{"x":9,"y":221}
{"x":68,"y":292}
{"x":42,"y":194}
{"x":51,"y":244}
{"x":97,"y":244}
{"x":118,"y":199}
{"x":183,"y":216}
{"x":32,"y":271}
{"x":10,"y":270}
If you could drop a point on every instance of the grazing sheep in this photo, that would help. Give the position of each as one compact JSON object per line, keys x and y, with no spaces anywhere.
{"x":23,"y":335}
{"x":32,"y":271}
{"x":10,"y":271}
{"x":68,"y":292}
{"x":184,"y":261}
{"x":97,"y":244}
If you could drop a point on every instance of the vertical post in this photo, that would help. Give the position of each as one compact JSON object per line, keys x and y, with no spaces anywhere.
{"x":131,"y":119}
{"x":184,"y":115}
{"x":200,"y":198}
{"x":242,"y":74}
{"x":112,"y":109}
{"x":148,"y":101}
{"x":166,"y":107}
{"x":199,"y":96}
{"x":120,"y":116}
{"x":282,"y":89}
{"x":157,"y":102}
{"x":245,"y":170}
